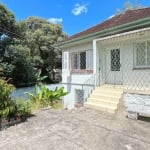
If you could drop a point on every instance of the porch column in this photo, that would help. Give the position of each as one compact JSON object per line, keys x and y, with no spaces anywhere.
{"x":94,"y":56}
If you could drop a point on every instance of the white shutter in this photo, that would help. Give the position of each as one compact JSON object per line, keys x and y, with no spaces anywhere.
{"x":78,"y":61}
{"x":66,"y":60}
{"x":73,"y":57}
{"x":89,"y":59}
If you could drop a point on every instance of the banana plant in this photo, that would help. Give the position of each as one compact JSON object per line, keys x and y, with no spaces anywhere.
{"x":46,"y":97}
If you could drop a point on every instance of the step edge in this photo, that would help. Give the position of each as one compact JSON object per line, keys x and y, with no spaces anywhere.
{"x":103,"y":100}
{"x":104,"y":106}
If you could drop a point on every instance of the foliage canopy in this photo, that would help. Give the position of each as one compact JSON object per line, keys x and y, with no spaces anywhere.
{"x":27,"y":47}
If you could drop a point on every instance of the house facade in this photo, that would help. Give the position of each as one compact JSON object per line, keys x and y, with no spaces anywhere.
{"x":115,"y":52}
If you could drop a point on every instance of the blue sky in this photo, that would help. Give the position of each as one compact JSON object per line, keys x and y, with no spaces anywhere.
{"x":74,"y":15}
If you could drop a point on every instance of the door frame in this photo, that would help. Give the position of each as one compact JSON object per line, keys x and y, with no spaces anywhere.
{"x":113,"y":77}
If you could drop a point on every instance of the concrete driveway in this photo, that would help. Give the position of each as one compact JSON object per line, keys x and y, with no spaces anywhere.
{"x":81,"y":129}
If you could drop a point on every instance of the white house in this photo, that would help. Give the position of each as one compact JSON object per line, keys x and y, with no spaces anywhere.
{"x":113,"y":54}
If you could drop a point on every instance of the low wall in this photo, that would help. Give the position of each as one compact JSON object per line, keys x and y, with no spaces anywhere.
{"x":138,"y":104}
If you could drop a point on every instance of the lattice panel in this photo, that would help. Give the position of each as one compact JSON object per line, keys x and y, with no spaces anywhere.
{"x":115,"y":60}
{"x":79,"y":60}
{"x":128,"y":67}
{"x":148,"y":53}
{"x":140,"y":54}
{"x":79,"y":96}
{"x":83,"y":60}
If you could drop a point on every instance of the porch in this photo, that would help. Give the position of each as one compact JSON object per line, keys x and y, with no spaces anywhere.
{"x":108,"y":98}
{"x":123,"y":60}
{"x":122,"y":66}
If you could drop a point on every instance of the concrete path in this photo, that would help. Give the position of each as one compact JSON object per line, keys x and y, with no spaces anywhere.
{"x":81,"y":129}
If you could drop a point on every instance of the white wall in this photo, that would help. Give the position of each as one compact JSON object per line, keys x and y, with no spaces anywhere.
{"x":134,"y":78}
{"x":68,"y":77}
{"x":131,"y":78}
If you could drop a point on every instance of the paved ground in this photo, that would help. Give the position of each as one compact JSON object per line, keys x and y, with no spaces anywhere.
{"x":81,"y":129}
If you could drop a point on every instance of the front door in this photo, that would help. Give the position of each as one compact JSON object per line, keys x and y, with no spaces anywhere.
{"x":113,"y":67}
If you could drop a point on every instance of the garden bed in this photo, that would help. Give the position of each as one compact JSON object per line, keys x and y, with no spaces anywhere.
{"x":7,"y":122}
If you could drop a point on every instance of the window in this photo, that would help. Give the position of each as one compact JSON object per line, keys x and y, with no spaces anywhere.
{"x":115,"y":60}
{"x":142,"y":54}
{"x":82,"y":60}
{"x":79,"y":60}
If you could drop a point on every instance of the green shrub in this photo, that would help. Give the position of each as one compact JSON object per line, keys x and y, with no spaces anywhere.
{"x":7,"y":106}
{"x":23,"y":108}
{"x":45,"y":97}
{"x":11,"y":108}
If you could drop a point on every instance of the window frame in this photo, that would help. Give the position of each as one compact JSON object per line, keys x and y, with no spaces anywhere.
{"x":113,"y":53}
{"x":146,"y":66}
{"x":78,"y":68}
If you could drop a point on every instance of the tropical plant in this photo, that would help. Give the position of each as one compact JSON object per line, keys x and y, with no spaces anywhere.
{"x":11,"y":108}
{"x":7,"y":106}
{"x":23,"y":108}
{"x":39,"y":77}
{"x":43,"y":96}
{"x":56,"y":95}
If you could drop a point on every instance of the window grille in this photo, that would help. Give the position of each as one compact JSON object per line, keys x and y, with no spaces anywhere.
{"x":79,"y":95}
{"x":115,"y":60}
{"x":75,"y":61}
{"x":82,"y":60}
{"x":143,"y":54}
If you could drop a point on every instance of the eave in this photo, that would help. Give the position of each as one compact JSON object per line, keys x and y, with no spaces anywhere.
{"x":107,"y":32}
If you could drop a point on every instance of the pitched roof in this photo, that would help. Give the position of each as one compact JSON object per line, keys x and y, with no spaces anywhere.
{"x":124,"y":18}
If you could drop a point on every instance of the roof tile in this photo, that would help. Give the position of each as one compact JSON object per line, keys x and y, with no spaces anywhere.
{"x":126,"y":17}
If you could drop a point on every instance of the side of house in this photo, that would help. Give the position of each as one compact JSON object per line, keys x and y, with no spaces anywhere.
{"x":77,"y":68}
{"x":115,"y":52}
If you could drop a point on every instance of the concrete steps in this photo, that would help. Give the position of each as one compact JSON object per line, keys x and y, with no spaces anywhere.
{"x":105,"y":98}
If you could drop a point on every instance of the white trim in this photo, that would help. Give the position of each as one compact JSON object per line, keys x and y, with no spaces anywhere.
{"x":88,"y":60}
{"x":146,"y":57}
{"x":94,"y":55}
{"x":65,"y":60}
{"x":123,"y":34}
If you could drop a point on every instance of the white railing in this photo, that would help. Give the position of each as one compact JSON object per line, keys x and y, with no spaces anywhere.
{"x":89,"y":85}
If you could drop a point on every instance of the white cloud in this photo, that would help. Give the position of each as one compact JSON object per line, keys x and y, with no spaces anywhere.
{"x":111,"y":16}
{"x":55,"y":20}
{"x":78,"y":9}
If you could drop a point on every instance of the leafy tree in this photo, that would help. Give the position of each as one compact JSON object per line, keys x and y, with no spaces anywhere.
{"x":23,"y":72}
{"x":41,"y":35}
{"x":26,"y":47}
{"x":7,"y":21}
{"x":129,"y":6}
